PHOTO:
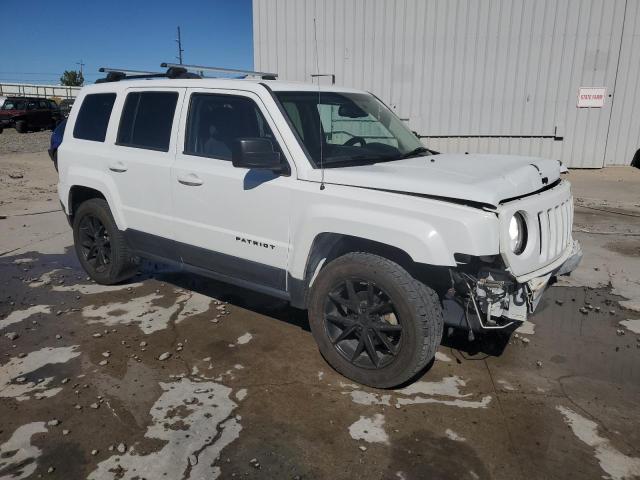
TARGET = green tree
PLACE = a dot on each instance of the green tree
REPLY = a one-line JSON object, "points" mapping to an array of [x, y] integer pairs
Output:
{"points": [[71, 78]]}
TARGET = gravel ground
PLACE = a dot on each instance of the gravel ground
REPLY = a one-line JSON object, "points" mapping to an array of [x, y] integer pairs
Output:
{"points": [[32, 142]]}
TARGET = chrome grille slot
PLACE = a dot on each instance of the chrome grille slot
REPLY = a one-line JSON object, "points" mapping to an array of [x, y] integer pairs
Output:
{"points": [[555, 230]]}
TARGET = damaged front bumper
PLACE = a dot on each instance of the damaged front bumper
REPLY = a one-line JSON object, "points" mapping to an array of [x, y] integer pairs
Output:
{"points": [[494, 300]]}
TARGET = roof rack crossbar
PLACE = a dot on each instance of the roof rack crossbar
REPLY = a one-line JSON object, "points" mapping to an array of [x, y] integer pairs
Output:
{"points": [[126, 71], [117, 74], [203, 68]]}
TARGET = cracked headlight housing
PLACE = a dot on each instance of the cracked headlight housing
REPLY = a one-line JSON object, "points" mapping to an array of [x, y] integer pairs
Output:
{"points": [[517, 233]]}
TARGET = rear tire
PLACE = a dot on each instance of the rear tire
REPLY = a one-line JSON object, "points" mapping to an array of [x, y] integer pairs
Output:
{"points": [[21, 126], [100, 246], [382, 298]]}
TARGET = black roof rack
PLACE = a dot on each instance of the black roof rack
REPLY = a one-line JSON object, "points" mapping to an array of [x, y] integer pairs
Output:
{"points": [[117, 74], [176, 70], [203, 68]]}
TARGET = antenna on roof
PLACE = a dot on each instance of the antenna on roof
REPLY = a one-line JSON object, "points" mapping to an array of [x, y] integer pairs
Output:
{"points": [[180, 49], [202, 68], [318, 75]]}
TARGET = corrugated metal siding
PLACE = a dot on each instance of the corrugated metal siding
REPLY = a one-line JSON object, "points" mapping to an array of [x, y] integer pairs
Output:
{"points": [[624, 131], [461, 68]]}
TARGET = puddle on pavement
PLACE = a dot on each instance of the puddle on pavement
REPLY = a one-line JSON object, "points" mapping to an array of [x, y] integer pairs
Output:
{"points": [[18, 316], [628, 248], [18, 457], [195, 420], [421, 454], [586, 344], [615, 464], [27, 377]]}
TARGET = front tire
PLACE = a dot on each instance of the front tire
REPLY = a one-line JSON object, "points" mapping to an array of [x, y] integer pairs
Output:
{"points": [[100, 246], [373, 322]]}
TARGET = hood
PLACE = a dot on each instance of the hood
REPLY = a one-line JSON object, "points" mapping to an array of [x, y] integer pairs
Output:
{"points": [[487, 179]]}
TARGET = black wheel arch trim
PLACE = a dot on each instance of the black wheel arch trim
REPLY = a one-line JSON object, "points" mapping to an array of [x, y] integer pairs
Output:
{"points": [[328, 246]]}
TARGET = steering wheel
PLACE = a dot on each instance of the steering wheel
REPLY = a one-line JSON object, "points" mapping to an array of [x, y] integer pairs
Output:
{"points": [[353, 140]]}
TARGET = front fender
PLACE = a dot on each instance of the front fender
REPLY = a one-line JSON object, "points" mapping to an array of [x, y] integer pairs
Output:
{"points": [[429, 231]]}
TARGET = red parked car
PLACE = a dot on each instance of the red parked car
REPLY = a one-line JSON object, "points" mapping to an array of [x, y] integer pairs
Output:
{"points": [[27, 113]]}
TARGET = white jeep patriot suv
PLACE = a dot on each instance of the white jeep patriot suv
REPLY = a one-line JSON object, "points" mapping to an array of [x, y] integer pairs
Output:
{"points": [[320, 196]]}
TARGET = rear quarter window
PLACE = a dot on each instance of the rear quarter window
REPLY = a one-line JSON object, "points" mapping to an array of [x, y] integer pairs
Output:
{"points": [[93, 117], [147, 119]]}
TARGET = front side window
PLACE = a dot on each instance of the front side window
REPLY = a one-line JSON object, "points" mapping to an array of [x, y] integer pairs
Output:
{"points": [[344, 129], [216, 121], [93, 117], [147, 119]]}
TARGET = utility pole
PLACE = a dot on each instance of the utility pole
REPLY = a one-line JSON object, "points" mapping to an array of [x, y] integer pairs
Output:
{"points": [[180, 50], [81, 63]]}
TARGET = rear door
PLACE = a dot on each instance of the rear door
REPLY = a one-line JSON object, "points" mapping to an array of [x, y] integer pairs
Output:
{"points": [[140, 161]]}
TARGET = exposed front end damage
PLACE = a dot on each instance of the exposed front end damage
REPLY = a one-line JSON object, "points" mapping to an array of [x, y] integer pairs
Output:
{"points": [[485, 296]]}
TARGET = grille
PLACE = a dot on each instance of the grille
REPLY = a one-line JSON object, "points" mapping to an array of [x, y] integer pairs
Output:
{"points": [[555, 229]]}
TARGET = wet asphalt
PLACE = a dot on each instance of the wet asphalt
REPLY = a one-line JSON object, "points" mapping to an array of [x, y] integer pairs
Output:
{"points": [[244, 392]]}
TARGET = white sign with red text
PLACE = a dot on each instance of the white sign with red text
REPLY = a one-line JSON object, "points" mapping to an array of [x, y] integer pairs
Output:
{"points": [[591, 97]]}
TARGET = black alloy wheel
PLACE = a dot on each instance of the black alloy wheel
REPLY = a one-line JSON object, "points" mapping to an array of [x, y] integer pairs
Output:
{"points": [[95, 243], [362, 324], [373, 322]]}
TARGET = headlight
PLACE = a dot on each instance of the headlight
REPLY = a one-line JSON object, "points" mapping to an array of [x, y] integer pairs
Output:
{"points": [[517, 233]]}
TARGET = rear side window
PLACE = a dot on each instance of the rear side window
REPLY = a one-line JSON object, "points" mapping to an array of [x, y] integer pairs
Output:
{"points": [[93, 117], [146, 120]]}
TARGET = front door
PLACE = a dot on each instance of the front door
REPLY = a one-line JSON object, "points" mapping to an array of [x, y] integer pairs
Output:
{"points": [[232, 221]]}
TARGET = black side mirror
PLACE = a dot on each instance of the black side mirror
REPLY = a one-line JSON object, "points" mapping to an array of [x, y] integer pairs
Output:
{"points": [[256, 153]]}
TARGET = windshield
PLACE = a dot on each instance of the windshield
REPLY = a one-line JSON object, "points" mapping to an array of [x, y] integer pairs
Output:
{"points": [[13, 105], [348, 128]]}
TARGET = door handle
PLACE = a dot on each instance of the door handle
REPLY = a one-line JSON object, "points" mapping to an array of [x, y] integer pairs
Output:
{"points": [[118, 167], [191, 180]]}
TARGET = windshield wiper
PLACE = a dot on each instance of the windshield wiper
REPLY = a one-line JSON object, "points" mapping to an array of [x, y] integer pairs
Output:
{"points": [[416, 152], [356, 160]]}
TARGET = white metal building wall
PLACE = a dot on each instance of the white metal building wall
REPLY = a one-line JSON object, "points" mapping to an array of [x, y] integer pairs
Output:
{"points": [[624, 130], [472, 75]]}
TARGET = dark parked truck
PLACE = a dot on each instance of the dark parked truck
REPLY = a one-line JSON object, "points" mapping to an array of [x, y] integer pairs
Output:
{"points": [[26, 114]]}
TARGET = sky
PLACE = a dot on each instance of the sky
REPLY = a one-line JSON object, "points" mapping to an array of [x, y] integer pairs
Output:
{"points": [[39, 39]]}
